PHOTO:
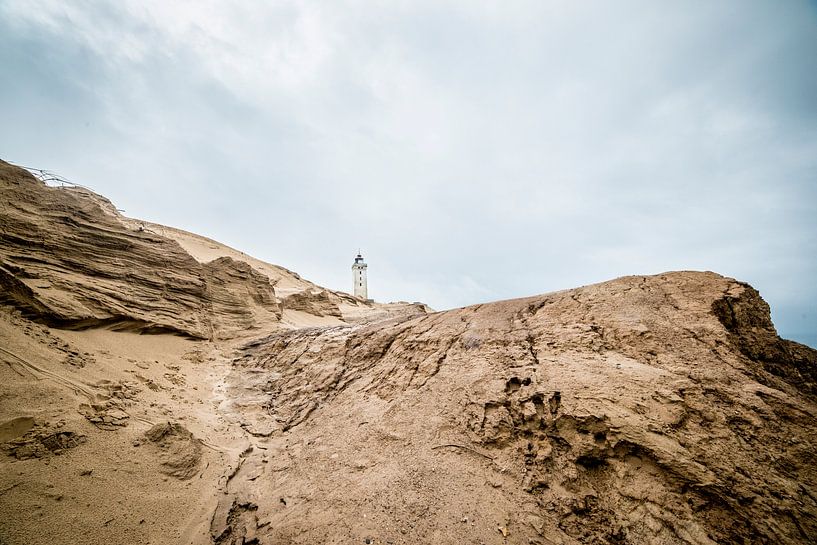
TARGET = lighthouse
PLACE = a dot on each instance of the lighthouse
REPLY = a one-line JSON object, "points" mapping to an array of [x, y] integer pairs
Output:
{"points": [[359, 277]]}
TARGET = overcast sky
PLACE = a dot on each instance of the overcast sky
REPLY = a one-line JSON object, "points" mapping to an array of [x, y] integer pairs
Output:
{"points": [[473, 150]]}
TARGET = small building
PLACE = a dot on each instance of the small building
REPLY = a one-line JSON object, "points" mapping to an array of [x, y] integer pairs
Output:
{"points": [[359, 278]]}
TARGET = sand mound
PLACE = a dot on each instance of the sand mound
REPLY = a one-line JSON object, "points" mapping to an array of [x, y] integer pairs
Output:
{"points": [[317, 303], [640, 410], [179, 451], [68, 260]]}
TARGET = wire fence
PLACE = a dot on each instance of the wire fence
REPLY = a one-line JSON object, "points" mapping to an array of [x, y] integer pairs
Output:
{"points": [[51, 178]]}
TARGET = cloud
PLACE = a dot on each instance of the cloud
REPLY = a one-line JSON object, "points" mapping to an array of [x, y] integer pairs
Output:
{"points": [[473, 150]]}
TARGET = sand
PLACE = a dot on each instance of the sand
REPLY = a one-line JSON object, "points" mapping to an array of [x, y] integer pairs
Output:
{"points": [[165, 388]]}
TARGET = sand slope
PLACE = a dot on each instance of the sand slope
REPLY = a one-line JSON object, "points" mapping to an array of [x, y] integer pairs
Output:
{"points": [[66, 261], [633, 411]]}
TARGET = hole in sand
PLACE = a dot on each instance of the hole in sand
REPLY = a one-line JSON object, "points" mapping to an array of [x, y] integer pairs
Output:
{"points": [[15, 427]]}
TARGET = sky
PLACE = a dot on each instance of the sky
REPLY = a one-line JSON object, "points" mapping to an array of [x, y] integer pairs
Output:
{"points": [[473, 151]]}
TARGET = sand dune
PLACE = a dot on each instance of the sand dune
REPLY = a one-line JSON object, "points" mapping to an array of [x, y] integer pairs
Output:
{"points": [[159, 387]]}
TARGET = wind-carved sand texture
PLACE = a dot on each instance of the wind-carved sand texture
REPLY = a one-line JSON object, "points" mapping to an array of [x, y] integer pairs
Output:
{"points": [[157, 387]]}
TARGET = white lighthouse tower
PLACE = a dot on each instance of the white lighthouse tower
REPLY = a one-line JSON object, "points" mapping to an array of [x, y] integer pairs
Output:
{"points": [[359, 277]]}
